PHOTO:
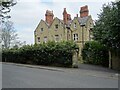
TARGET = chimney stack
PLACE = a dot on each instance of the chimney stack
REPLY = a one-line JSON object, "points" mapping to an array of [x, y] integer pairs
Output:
{"points": [[84, 11], [49, 17], [76, 15], [66, 16]]}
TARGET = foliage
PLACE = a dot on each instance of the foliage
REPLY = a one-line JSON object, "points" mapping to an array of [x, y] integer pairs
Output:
{"points": [[5, 8], [106, 29], [95, 53], [51, 53]]}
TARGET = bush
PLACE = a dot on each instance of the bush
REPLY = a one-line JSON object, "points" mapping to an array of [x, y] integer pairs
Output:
{"points": [[95, 53], [51, 53]]}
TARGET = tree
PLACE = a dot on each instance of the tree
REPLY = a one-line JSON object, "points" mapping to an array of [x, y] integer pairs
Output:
{"points": [[106, 29], [9, 35], [5, 8]]}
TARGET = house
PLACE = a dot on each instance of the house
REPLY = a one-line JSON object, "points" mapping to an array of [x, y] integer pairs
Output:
{"points": [[77, 29]]}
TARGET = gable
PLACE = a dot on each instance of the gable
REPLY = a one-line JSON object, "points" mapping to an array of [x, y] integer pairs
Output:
{"points": [[42, 24], [56, 21], [73, 23]]}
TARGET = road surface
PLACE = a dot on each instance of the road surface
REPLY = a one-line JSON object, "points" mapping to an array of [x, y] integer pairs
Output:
{"points": [[24, 77]]}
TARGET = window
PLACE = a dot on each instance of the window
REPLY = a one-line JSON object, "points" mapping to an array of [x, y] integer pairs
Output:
{"points": [[56, 26], [41, 29], [56, 38], [45, 39], [75, 37], [75, 25], [38, 39]]}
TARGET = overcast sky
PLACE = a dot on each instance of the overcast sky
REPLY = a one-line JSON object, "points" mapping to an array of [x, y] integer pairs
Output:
{"points": [[26, 14]]}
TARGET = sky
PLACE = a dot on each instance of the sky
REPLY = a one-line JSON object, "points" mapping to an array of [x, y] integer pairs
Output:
{"points": [[26, 14]]}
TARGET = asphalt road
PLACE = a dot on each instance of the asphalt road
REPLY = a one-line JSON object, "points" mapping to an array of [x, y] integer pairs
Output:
{"points": [[23, 77]]}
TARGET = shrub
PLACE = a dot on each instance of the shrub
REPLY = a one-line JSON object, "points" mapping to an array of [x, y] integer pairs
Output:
{"points": [[95, 53], [51, 53]]}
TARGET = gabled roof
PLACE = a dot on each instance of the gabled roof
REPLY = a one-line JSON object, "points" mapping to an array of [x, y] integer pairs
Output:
{"points": [[69, 23], [58, 19], [40, 22], [82, 21]]}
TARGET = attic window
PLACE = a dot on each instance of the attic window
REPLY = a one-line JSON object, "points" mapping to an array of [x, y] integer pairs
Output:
{"points": [[41, 29], [56, 26], [75, 25]]}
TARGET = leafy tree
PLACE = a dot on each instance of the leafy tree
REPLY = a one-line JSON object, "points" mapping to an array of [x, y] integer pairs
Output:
{"points": [[106, 29]]}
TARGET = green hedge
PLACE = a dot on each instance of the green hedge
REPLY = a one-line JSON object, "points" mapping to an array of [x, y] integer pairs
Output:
{"points": [[51, 53], [95, 53]]}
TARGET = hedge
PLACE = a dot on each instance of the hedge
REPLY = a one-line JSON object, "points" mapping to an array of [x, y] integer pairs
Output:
{"points": [[95, 53], [51, 53]]}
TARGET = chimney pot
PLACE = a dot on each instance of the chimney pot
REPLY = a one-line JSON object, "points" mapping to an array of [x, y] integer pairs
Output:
{"points": [[76, 15], [49, 16]]}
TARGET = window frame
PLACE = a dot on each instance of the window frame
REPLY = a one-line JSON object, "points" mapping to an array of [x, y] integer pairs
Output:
{"points": [[75, 25], [75, 37], [56, 26], [38, 39], [41, 30]]}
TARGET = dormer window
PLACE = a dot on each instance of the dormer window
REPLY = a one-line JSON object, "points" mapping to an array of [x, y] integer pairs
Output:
{"points": [[75, 25], [41, 30], [56, 26]]}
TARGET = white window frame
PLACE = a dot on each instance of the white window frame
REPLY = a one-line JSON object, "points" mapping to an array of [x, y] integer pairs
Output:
{"points": [[45, 39], [75, 37], [56, 38]]}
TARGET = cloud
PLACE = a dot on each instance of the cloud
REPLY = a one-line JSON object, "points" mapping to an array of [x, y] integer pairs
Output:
{"points": [[26, 14], [26, 34]]}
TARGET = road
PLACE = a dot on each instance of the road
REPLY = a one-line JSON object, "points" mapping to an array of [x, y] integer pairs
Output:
{"points": [[23, 77]]}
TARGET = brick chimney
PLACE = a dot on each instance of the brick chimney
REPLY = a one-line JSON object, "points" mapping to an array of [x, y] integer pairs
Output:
{"points": [[84, 11], [76, 15], [49, 17], [66, 17]]}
